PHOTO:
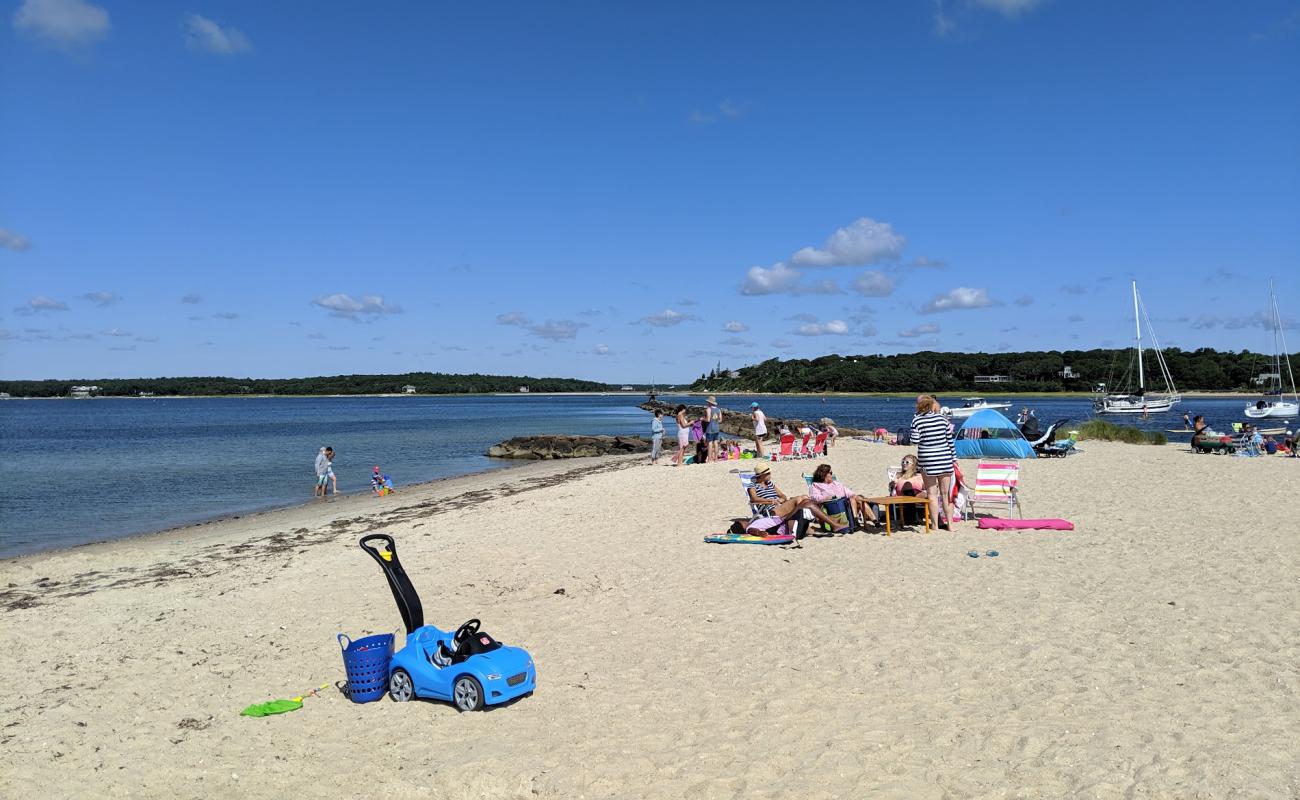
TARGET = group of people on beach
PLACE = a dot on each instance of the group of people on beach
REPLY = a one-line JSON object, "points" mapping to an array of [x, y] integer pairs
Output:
{"points": [[705, 433], [929, 474]]}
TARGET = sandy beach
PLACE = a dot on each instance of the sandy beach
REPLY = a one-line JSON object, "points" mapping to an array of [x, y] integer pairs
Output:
{"points": [[1150, 653]]}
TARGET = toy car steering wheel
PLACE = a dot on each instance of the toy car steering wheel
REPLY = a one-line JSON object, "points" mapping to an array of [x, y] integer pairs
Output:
{"points": [[463, 634]]}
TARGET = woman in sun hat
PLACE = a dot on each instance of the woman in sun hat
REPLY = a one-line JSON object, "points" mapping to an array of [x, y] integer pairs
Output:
{"points": [[712, 426], [772, 502], [760, 428]]}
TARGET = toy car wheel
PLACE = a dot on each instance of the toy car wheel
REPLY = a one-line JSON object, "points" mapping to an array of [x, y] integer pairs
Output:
{"points": [[467, 694], [400, 687]]}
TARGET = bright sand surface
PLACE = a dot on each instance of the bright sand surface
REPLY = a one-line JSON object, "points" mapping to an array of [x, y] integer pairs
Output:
{"points": [[1150, 653]]}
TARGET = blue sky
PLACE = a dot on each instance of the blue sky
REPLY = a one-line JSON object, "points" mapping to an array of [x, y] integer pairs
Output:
{"points": [[637, 192]]}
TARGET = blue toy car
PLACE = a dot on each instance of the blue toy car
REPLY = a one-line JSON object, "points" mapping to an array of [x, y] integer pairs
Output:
{"points": [[468, 667]]}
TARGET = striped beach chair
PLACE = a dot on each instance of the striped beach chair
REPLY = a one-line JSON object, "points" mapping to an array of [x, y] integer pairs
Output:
{"points": [[996, 485]]}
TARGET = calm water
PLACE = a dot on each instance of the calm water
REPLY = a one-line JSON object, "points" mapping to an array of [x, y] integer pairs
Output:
{"points": [[82, 471]]}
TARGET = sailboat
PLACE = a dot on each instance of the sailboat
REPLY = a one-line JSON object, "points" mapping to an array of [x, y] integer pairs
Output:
{"points": [[1274, 404], [1139, 402]]}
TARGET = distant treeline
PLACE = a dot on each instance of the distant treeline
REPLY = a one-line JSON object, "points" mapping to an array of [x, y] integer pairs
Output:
{"points": [[1197, 370], [424, 383]]}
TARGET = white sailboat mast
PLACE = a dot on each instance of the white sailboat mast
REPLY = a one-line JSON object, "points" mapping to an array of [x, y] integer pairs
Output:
{"points": [[1137, 324]]}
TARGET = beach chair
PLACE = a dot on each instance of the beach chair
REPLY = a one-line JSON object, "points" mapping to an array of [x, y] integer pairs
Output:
{"points": [[819, 444], [787, 448], [746, 481], [996, 485], [803, 451]]}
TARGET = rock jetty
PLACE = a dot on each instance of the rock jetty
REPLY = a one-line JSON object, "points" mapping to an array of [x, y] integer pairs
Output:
{"points": [[546, 447], [739, 424]]}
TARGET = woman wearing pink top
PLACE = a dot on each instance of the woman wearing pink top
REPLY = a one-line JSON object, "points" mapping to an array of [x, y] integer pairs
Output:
{"points": [[824, 488]]}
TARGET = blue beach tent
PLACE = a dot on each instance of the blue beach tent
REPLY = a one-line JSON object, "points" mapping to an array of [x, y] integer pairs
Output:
{"points": [[988, 434]]}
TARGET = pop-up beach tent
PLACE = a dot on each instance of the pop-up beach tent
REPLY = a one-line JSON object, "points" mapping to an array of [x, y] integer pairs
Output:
{"points": [[988, 434]]}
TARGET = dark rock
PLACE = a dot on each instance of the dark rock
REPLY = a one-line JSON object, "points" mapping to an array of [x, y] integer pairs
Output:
{"points": [[545, 447], [740, 424]]}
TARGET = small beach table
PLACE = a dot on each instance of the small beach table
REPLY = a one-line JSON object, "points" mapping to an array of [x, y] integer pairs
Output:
{"points": [[895, 501]]}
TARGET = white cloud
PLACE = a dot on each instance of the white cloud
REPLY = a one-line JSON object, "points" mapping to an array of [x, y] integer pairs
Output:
{"points": [[192, 299], [778, 278], [802, 316], [14, 241], [782, 344], [736, 341], [959, 298], [370, 306], [1024, 300], [921, 262], [39, 304], [1259, 319], [205, 35], [560, 330], [231, 315], [66, 23], [865, 241], [735, 327], [873, 283], [115, 332], [726, 110], [666, 318], [1008, 8], [601, 350], [101, 298], [918, 331], [835, 327]]}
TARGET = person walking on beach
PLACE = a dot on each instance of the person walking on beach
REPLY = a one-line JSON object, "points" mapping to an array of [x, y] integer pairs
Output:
{"points": [[656, 436], [937, 456], [713, 426], [322, 472], [329, 470], [760, 428], [683, 435]]}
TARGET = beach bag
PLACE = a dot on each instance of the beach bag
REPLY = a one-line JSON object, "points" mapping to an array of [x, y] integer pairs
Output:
{"points": [[840, 512]]}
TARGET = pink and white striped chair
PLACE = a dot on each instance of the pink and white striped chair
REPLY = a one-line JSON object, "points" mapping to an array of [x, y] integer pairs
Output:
{"points": [[996, 485]]}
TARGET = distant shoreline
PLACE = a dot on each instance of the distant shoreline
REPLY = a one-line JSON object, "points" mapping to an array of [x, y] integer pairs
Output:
{"points": [[635, 394]]}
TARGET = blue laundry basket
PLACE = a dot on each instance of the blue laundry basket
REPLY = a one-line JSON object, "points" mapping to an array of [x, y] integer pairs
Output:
{"points": [[366, 661]]}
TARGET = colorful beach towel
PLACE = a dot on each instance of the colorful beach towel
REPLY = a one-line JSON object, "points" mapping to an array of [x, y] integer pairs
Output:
{"points": [[995, 524], [747, 538]]}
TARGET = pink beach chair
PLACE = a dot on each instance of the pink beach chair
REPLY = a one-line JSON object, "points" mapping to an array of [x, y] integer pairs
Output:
{"points": [[996, 485], [819, 444], [787, 448]]}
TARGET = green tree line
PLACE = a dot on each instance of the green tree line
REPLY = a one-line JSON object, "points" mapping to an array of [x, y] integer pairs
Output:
{"points": [[424, 383], [1205, 369]]}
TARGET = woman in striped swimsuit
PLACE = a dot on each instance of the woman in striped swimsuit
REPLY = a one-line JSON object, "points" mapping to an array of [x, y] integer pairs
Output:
{"points": [[773, 502], [932, 435]]}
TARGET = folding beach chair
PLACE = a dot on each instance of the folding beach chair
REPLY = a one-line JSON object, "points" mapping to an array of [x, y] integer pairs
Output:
{"points": [[996, 485], [819, 444], [787, 448], [803, 451]]}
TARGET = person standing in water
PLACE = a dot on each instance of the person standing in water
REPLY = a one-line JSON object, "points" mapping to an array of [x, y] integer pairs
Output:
{"points": [[322, 472], [329, 470], [760, 428]]}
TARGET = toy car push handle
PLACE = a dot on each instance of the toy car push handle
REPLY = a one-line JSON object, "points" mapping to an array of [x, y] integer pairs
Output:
{"points": [[408, 601]]}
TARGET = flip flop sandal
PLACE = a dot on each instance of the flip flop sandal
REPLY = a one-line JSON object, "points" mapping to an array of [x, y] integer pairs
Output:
{"points": [[973, 553]]}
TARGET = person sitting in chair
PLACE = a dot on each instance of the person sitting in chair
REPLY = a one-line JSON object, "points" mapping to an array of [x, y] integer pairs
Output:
{"points": [[908, 481], [825, 488], [772, 501]]}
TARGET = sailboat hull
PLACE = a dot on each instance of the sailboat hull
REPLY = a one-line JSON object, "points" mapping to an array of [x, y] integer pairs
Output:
{"points": [[1277, 409], [1128, 405]]}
